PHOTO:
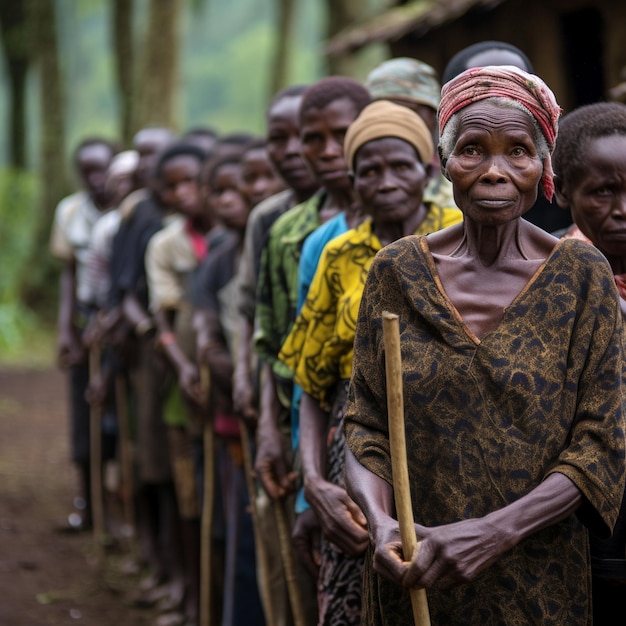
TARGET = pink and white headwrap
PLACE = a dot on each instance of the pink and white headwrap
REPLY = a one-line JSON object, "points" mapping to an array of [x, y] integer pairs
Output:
{"points": [[505, 81]]}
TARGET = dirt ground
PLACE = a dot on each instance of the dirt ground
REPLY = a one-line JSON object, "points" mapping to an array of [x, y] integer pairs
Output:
{"points": [[47, 577]]}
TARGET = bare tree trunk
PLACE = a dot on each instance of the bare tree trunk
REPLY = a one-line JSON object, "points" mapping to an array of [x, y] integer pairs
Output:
{"points": [[280, 66], [15, 37], [52, 106], [159, 78], [52, 170], [122, 16], [342, 13]]}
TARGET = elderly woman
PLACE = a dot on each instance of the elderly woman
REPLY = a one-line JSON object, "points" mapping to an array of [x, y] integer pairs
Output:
{"points": [[389, 150], [512, 373], [590, 179]]}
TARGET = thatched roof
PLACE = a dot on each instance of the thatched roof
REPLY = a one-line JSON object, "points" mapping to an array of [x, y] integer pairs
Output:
{"points": [[418, 17]]}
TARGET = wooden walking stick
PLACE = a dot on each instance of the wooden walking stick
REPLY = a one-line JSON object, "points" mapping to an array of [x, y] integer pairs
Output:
{"points": [[126, 462], [208, 495], [286, 552], [95, 459], [261, 552], [399, 468]]}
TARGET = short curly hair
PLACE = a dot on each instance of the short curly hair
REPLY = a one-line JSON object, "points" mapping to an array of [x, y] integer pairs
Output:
{"points": [[577, 129], [326, 90]]}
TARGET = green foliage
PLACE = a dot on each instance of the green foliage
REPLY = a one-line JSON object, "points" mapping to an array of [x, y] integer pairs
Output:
{"points": [[18, 213], [85, 48], [225, 55], [226, 60], [226, 51]]}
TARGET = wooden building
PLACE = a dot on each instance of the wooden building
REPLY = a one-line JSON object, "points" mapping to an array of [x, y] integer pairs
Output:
{"points": [[577, 46]]}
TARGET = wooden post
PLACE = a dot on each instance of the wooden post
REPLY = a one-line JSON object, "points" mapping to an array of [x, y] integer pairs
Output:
{"points": [[261, 552], [95, 459], [400, 472], [286, 551], [208, 495], [126, 462]]}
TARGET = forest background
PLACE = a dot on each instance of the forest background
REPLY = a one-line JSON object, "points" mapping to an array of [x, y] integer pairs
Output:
{"points": [[76, 68]]}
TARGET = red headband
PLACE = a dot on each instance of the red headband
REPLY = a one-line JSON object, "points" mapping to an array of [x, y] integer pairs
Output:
{"points": [[504, 81]]}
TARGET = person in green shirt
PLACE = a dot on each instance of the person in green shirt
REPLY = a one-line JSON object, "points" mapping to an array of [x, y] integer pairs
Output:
{"points": [[328, 108], [389, 150]]}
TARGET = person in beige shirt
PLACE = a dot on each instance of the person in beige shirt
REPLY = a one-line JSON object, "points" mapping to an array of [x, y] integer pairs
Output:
{"points": [[74, 219]]}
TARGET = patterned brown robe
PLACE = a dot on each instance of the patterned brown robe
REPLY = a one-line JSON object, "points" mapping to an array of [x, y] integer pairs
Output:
{"points": [[488, 420]]}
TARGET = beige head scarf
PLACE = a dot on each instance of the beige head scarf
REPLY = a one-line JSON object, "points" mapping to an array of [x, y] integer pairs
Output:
{"points": [[385, 119]]}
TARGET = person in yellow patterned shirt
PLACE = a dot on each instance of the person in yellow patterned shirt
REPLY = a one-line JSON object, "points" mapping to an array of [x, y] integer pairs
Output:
{"points": [[389, 150]]}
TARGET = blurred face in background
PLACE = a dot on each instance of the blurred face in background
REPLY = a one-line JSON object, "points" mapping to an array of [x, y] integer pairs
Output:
{"points": [[93, 161], [597, 197], [284, 147], [258, 178], [226, 203], [148, 143], [322, 133], [121, 176], [178, 185], [119, 185]]}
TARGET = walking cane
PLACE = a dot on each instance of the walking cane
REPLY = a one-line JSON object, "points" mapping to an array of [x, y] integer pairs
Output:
{"points": [[95, 454], [261, 552], [126, 461], [399, 468], [286, 552], [207, 504]]}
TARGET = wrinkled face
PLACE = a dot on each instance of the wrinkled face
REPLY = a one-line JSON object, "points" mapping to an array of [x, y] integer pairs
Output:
{"points": [[93, 161], [597, 197], [494, 166], [389, 179], [179, 187], [284, 147], [322, 133], [259, 179], [226, 203]]}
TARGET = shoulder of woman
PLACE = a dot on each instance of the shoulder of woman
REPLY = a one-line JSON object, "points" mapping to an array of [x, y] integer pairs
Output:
{"points": [[411, 244], [581, 249], [400, 257], [584, 259]]}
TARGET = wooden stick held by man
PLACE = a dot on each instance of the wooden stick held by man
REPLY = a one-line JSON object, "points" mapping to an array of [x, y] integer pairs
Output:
{"points": [[207, 506], [95, 443]]}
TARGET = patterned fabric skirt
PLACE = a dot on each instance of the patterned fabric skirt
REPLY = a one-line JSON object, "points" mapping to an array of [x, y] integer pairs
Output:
{"points": [[339, 582]]}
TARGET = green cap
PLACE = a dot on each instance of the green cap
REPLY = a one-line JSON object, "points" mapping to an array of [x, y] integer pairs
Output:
{"points": [[404, 77]]}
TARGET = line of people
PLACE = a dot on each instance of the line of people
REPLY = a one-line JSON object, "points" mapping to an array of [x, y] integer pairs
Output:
{"points": [[226, 283]]}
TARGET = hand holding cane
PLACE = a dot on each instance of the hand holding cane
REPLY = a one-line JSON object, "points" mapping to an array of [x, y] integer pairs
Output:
{"points": [[400, 473]]}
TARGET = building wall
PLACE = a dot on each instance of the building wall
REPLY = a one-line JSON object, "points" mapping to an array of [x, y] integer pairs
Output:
{"points": [[538, 27]]}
